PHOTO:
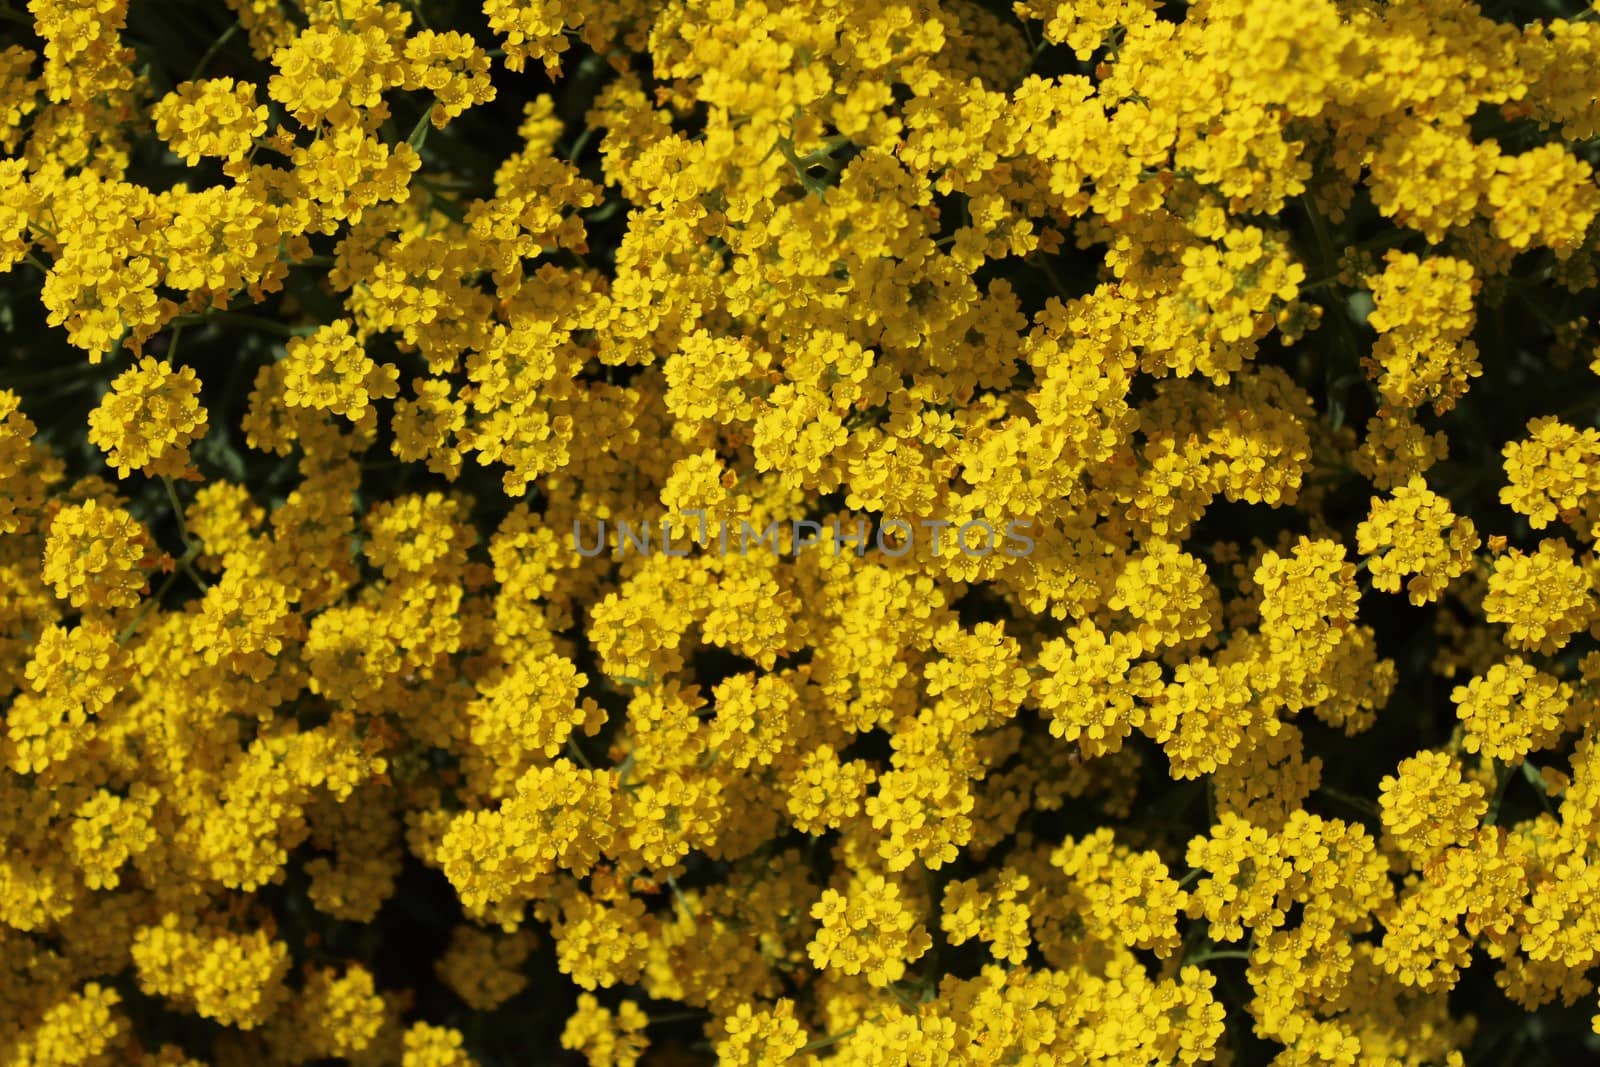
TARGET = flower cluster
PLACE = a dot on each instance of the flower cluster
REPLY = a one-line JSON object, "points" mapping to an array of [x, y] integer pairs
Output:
{"points": [[1270, 326]]}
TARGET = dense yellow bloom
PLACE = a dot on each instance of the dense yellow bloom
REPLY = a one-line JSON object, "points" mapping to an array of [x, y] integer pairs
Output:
{"points": [[220, 243], [94, 557], [1423, 315], [1431, 176], [1001, 427], [1082, 27], [338, 1014], [1428, 806], [245, 622], [867, 930], [214, 117], [1546, 196], [84, 1027], [148, 419], [1167, 595], [532, 31], [99, 297], [1124, 896], [1512, 709], [328, 371], [996, 917], [450, 66], [1397, 449], [427, 1045], [1247, 879], [1543, 598], [1092, 687], [83, 667], [559, 815], [484, 968], [21, 488], [599, 945], [1554, 474], [827, 792], [107, 830], [764, 1038], [236, 979], [1414, 536], [604, 1036], [329, 73]]}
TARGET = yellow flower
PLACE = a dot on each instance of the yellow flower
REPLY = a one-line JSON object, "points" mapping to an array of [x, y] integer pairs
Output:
{"points": [[94, 557], [1423, 315], [1414, 533], [1511, 710], [1428, 806], [868, 930], [211, 117], [485, 969], [148, 420], [426, 1045], [1544, 598], [236, 979], [612, 1039], [329, 371], [761, 1038]]}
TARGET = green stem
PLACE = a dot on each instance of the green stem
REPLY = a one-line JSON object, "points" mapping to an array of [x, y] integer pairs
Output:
{"points": [[177, 511], [195, 576], [1536, 780], [677, 893], [1055, 280], [905, 1001], [73, 374], [1387, 239], [580, 143], [1334, 370], [1324, 239], [1027, 29], [1361, 804], [831, 1039], [1505, 772], [829, 146], [211, 53], [1028, 67], [1320, 283], [419, 132], [150, 604], [813, 186], [191, 547]]}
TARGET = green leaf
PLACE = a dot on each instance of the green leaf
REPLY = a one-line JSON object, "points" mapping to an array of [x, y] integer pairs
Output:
{"points": [[419, 133]]}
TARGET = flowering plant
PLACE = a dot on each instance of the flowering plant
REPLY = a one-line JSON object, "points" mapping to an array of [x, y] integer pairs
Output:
{"points": [[1271, 325]]}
